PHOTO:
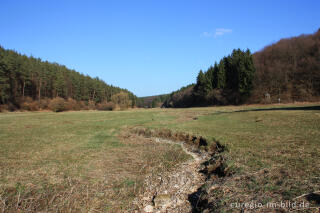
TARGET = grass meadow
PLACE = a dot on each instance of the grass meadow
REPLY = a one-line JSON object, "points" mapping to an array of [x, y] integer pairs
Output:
{"points": [[87, 161]]}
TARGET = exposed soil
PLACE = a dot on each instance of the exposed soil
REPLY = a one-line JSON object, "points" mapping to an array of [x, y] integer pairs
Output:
{"points": [[180, 189], [169, 192]]}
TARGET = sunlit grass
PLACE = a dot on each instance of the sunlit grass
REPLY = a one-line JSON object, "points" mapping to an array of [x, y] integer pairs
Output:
{"points": [[45, 153]]}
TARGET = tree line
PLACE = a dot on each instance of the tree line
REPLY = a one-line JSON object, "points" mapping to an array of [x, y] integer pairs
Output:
{"points": [[152, 101], [228, 82], [24, 78], [286, 71]]}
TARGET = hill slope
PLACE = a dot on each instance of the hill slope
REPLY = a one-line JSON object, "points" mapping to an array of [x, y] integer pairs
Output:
{"points": [[288, 70], [22, 76], [291, 68]]}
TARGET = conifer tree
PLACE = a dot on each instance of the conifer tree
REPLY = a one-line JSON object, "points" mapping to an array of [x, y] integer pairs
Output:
{"points": [[221, 75], [215, 75], [210, 76], [22, 76], [203, 86]]}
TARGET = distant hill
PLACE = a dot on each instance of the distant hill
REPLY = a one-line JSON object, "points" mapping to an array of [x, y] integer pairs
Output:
{"points": [[152, 101], [286, 71]]}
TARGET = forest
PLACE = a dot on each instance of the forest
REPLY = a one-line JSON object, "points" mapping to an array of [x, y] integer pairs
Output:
{"points": [[228, 82], [286, 71], [152, 101], [289, 70], [29, 83]]}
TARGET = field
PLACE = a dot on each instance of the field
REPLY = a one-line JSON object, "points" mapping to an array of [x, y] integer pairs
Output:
{"points": [[87, 161]]}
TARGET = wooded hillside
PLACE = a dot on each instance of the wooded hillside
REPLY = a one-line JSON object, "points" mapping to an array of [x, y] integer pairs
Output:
{"points": [[286, 71], [228, 82], [23, 78], [289, 69]]}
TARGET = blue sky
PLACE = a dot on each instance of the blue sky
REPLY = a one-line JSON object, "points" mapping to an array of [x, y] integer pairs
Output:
{"points": [[149, 47]]}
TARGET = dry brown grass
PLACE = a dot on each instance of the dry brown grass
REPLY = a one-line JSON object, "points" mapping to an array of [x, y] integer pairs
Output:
{"points": [[75, 161], [116, 179]]}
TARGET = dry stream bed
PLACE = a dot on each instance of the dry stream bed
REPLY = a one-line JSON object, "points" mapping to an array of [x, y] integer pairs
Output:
{"points": [[179, 190]]}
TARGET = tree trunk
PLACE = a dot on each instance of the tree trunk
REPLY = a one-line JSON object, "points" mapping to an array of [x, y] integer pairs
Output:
{"points": [[24, 85], [94, 92], [39, 90]]}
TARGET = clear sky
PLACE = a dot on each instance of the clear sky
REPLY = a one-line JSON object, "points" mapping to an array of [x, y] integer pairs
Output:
{"points": [[149, 47]]}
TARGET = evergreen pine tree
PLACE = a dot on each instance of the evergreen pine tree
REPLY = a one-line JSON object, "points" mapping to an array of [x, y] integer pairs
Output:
{"points": [[215, 75], [221, 75], [203, 86], [210, 76]]}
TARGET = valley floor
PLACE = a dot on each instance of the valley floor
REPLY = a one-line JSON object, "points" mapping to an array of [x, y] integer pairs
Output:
{"points": [[87, 161]]}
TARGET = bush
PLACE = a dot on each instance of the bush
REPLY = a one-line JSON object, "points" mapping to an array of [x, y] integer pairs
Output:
{"points": [[57, 105], [4, 107], [26, 99], [91, 105], [106, 106], [72, 104], [217, 97], [44, 103], [122, 100], [82, 105], [29, 104], [12, 107]]}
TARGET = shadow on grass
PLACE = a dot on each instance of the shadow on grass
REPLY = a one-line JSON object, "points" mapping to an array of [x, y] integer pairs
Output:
{"points": [[306, 108], [281, 108]]}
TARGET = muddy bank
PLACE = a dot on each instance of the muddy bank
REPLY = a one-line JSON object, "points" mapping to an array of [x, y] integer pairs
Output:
{"points": [[185, 189], [196, 142]]}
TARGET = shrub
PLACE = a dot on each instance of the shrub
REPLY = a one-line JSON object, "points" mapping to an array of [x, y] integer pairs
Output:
{"points": [[217, 97], [82, 105], [72, 104], [91, 105], [122, 99], [12, 107], [29, 104], [26, 99], [4, 107], [44, 103], [57, 105], [109, 106]]}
